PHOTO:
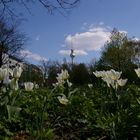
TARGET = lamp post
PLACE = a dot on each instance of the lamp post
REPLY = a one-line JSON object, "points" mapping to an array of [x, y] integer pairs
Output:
{"points": [[72, 55]]}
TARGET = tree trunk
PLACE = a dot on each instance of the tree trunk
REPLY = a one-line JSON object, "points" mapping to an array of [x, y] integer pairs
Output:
{"points": [[1, 53], [1, 61]]}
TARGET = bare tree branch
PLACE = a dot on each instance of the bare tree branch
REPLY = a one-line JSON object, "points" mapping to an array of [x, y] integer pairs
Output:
{"points": [[61, 6], [11, 40]]}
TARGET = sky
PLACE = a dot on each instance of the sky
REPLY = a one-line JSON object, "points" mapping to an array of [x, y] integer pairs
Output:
{"points": [[85, 29]]}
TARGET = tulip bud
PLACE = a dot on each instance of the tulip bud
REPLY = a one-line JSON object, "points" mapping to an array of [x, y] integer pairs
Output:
{"points": [[3, 73], [63, 100], [36, 86], [29, 86], [90, 85], [122, 82], [17, 72], [14, 84], [138, 72]]}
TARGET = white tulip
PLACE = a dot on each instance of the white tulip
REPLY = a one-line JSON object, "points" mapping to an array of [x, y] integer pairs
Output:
{"points": [[114, 75], [69, 83], [99, 73], [109, 81], [64, 75], [17, 72], [122, 82], [6, 80], [3, 73], [14, 84], [90, 85], [111, 77], [63, 100], [62, 78], [29, 86], [36, 86], [138, 72]]}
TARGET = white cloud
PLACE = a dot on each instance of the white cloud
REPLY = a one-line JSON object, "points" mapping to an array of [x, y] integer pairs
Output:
{"points": [[30, 55], [91, 40], [64, 52], [77, 52], [122, 31]]}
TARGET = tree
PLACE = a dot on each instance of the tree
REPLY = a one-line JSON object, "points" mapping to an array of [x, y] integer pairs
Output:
{"points": [[136, 57], [31, 73], [49, 70], [44, 67], [6, 6], [53, 69], [11, 41], [118, 54], [79, 74]]}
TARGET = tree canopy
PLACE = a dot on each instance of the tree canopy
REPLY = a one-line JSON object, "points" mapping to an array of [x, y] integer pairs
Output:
{"points": [[118, 52]]}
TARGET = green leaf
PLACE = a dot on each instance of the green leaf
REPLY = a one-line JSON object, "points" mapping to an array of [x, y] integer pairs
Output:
{"points": [[138, 101], [13, 111]]}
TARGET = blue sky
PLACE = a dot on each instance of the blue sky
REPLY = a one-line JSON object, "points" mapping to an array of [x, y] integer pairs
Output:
{"points": [[85, 29]]}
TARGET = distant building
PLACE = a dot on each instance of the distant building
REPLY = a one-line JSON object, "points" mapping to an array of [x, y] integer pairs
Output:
{"points": [[12, 61], [30, 72]]}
